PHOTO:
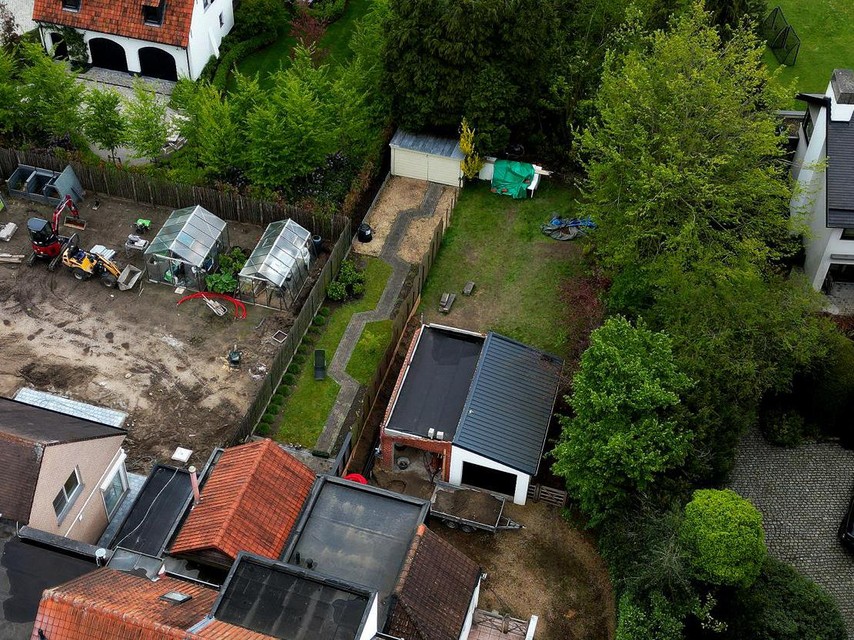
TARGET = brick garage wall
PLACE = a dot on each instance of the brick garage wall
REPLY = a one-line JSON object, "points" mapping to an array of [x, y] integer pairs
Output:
{"points": [[387, 442]]}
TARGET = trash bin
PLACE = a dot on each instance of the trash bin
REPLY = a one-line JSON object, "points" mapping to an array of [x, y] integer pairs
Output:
{"points": [[317, 241], [364, 233]]}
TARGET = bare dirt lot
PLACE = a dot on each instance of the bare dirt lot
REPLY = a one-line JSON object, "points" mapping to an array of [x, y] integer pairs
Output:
{"points": [[135, 351]]}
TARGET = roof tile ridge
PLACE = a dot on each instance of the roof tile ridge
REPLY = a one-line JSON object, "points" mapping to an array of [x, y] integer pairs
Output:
{"points": [[410, 558], [263, 448]]}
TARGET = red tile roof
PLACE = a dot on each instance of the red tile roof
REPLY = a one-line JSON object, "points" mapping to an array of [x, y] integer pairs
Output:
{"points": [[121, 17], [108, 604], [250, 503], [112, 605], [434, 591]]}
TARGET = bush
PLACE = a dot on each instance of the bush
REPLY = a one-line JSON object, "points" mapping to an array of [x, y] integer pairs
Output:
{"points": [[270, 415], [262, 429], [327, 11], [828, 396], [299, 359], [293, 369], [275, 403], [336, 291], [784, 605], [302, 350], [357, 289], [285, 391], [254, 17], [784, 428], [221, 282], [319, 321], [313, 332], [723, 537], [289, 379], [324, 311], [237, 53], [655, 619]]}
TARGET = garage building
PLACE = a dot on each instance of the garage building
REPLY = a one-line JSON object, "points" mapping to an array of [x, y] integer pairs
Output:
{"points": [[474, 409], [426, 157]]}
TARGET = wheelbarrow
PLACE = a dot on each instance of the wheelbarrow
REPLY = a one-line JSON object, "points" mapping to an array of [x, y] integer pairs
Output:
{"points": [[129, 276]]}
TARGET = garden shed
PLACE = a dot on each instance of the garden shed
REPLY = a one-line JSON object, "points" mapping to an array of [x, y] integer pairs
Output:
{"points": [[45, 186], [187, 248], [278, 268], [426, 157]]}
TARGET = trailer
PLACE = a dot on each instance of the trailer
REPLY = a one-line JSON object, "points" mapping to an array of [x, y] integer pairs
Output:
{"points": [[469, 509]]}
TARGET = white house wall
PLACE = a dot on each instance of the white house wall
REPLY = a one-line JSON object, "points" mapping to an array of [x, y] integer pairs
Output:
{"points": [[23, 12], [470, 614], [206, 34], [460, 455], [370, 629]]}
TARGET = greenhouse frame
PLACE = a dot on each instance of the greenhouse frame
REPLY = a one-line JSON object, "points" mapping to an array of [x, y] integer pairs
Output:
{"points": [[187, 248], [276, 272]]}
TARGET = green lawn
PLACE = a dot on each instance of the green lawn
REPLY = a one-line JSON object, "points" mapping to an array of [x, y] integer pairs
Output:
{"points": [[521, 276], [826, 30], [307, 408], [370, 349], [336, 40]]}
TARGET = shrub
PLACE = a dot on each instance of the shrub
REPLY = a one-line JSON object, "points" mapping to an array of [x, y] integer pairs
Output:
{"points": [[221, 282], [275, 403], [327, 11], [336, 291], [262, 429], [269, 415], [302, 349], [357, 289], [829, 395], [784, 605], [785, 428], [293, 369], [285, 391], [289, 379], [723, 538], [324, 311], [313, 331], [655, 619], [319, 321], [299, 359], [237, 53]]}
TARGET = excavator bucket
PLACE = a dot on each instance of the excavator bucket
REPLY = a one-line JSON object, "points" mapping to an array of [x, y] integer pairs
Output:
{"points": [[129, 277], [75, 223]]}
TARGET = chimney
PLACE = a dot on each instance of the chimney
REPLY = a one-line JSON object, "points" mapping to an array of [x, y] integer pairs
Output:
{"points": [[842, 82], [194, 481]]}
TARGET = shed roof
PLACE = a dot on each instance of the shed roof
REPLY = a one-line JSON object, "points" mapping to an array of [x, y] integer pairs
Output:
{"points": [[284, 243], [840, 173], [509, 407], [424, 143], [436, 586], [122, 18], [188, 234], [250, 502]]}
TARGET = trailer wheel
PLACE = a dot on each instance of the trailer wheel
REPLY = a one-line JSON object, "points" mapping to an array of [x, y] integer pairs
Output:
{"points": [[450, 524], [466, 528], [31, 260]]}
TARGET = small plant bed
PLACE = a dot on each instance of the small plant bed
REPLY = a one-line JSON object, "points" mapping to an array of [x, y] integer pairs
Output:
{"points": [[309, 402], [372, 345], [522, 277], [827, 42]]}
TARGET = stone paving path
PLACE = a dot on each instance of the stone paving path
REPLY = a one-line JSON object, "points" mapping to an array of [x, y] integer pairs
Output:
{"points": [[337, 369], [803, 494]]}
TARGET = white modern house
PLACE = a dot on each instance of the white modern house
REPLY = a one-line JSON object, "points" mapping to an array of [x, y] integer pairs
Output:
{"points": [[154, 38], [22, 10], [824, 170]]}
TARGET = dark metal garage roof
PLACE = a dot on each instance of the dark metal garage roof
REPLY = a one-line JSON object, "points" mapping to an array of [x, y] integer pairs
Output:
{"points": [[423, 143], [506, 416], [840, 174]]}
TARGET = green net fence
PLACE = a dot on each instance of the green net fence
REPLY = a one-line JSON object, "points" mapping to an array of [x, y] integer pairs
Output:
{"points": [[781, 37]]}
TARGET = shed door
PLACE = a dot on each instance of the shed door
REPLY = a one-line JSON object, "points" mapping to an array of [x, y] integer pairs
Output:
{"points": [[443, 170], [476, 475], [409, 164]]}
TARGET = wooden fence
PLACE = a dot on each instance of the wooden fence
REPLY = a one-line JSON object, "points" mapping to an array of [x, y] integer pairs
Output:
{"points": [[399, 322], [295, 335], [120, 183], [540, 493]]}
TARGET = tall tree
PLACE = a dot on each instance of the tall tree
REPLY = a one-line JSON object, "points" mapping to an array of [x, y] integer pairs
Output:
{"points": [[147, 126], [52, 98], [624, 432], [683, 160], [104, 123]]}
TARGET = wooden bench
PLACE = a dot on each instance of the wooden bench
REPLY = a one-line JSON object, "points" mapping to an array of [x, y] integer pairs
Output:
{"points": [[319, 364]]}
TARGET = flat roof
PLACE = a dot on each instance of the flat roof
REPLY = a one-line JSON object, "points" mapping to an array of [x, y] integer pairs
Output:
{"points": [[356, 533], [437, 382], [154, 516], [291, 603], [45, 426], [53, 402], [26, 570], [425, 143]]}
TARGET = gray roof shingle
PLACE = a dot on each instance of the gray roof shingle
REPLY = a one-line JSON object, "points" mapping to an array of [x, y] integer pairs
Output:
{"points": [[506, 416], [445, 147], [840, 174]]}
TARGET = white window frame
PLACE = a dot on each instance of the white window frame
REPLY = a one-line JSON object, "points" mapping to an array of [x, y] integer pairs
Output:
{"points": [[117, 470], [69, 499]]}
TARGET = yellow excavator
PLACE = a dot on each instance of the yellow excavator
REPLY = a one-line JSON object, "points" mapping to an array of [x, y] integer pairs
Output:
{"points": [[86, 264]]}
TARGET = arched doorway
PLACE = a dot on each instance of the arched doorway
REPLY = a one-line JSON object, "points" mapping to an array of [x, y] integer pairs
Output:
{"points": [[108, 54], [157, 63], [60, 49]]}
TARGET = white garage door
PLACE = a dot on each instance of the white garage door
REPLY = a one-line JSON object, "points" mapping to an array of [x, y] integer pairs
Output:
{"points": [[409, 164]]}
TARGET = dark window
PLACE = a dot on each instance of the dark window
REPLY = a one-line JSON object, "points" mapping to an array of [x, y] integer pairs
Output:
{"points": [[482, 477], [154, 15], [848, 234], [71, 5], [808, 125], [222, 23], [206, 3], [67, 494]]}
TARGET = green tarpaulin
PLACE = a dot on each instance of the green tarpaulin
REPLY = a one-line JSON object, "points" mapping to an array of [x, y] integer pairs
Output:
{"points": [[512, 178]]}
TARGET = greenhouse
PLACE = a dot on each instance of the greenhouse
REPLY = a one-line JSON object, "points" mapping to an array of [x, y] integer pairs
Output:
{"points": [[187, 248], [278, 268]]}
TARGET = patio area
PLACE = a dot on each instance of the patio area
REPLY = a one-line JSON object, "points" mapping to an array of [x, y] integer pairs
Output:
{"points": [[840, 299], [487, 625]]}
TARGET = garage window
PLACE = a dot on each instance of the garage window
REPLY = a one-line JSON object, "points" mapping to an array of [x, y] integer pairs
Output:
{"points": [[494, 480]]}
